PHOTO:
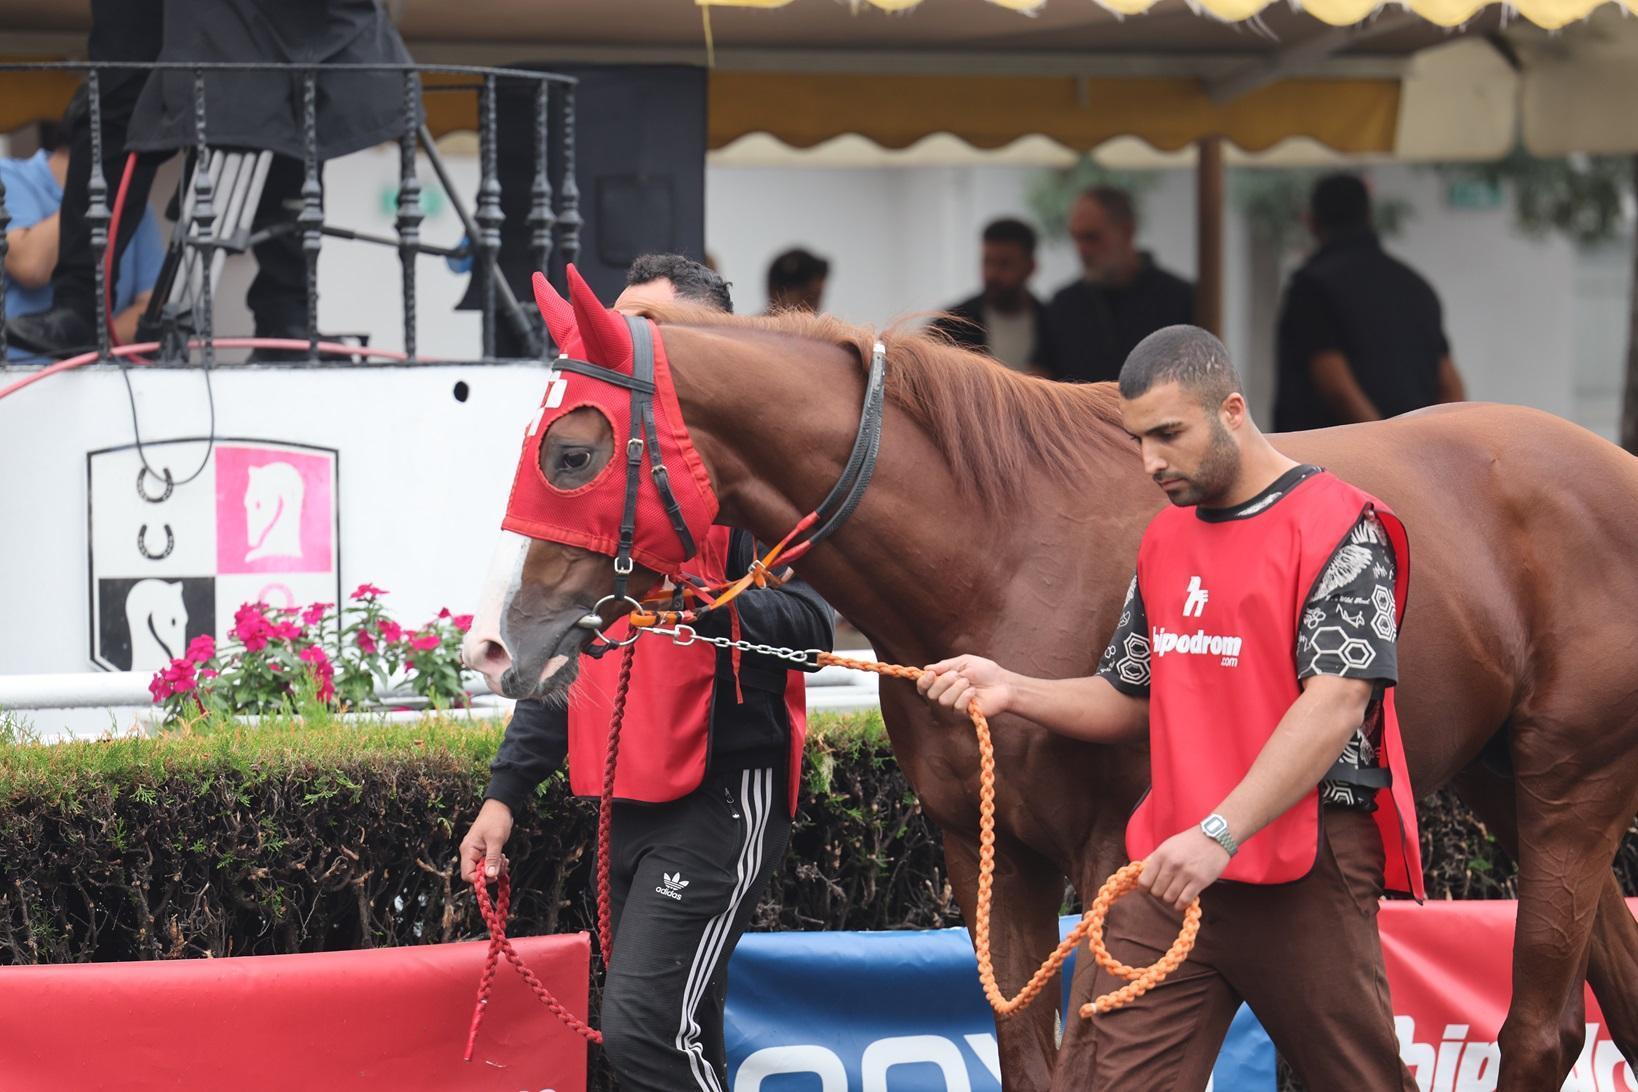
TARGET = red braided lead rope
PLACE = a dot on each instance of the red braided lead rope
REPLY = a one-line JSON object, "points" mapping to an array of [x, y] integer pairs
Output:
{"points": [[605, 807], [494, 916]]}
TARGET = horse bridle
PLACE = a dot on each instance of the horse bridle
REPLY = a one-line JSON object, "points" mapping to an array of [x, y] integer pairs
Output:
{"points": [[812, 529]]}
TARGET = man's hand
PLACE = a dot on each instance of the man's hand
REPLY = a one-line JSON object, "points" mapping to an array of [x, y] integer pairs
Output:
{"points": [[481, 848], [1181, 867], [952, 684]]}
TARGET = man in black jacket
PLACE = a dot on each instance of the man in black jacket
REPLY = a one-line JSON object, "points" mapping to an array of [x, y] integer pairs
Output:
{"points": [[1361, 334], [1121, 297], [712, 851], [1005, 320]]}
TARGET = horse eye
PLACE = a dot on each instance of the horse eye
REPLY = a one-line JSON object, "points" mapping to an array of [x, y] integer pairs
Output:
{"points": [[575, 460]]}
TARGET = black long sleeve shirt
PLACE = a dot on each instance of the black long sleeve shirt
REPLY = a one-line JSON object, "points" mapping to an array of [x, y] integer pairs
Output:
{"points": [[743, 736]]}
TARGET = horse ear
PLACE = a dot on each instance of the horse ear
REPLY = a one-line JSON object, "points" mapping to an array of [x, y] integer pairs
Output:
{"points": [[604, 333], [555, 310]]}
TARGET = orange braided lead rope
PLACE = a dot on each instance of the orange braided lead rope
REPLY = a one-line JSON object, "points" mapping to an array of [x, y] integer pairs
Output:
{"points": [[1139, 979]]}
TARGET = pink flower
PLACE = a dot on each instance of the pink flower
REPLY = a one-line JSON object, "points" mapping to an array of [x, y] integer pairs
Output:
{"points": [[391, 632], [368, 591], [314, 614], [208, 673], [201, 648], [443, 613], [463, 622], [178, 678], [313, 654], [159, 687], [366, 643], [250, 626], [287, 631], [424, 642]]}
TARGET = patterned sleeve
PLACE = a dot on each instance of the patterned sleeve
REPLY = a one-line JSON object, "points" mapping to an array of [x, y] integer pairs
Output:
{"points": [[1125, 662], [1348, 626]]}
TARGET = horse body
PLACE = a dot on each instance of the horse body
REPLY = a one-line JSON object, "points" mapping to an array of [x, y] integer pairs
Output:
{"points": [[1521, 617]]}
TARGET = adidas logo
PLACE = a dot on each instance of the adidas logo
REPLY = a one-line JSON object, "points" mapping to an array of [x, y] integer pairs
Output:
{"points": [[672, 885]]}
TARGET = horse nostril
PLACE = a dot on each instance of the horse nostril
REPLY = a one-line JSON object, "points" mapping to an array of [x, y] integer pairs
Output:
{"points": [[491, 658]]}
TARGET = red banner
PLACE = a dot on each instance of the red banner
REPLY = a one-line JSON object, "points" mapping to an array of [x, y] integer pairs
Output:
{"points": [[1450, 969], [390, 1019]]}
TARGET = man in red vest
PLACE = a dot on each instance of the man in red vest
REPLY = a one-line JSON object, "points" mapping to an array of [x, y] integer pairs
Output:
{"points": [[1256, 655], [709, 760]]}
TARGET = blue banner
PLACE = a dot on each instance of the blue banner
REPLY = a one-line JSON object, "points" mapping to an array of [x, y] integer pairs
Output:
{"points": [[892, 1012]]}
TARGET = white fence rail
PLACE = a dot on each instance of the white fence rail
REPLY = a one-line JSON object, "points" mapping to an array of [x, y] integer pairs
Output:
{"points": [[124, 696]]}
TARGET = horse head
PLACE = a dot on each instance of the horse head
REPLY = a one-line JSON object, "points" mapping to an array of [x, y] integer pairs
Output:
{"points": [[575, 507]]}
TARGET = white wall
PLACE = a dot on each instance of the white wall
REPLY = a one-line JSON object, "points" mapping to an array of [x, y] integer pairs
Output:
{"points": [[1531, 321]]}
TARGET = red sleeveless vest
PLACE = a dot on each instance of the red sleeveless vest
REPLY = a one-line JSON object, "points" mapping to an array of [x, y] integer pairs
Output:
{"points": [[665, 742], [1224, 603]]}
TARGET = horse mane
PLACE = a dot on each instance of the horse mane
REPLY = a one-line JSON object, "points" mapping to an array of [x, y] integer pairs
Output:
{"points": [[993, 426]]}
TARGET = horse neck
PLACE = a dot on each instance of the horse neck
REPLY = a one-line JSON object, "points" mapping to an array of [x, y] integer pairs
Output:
{"points": [[920, 567]]}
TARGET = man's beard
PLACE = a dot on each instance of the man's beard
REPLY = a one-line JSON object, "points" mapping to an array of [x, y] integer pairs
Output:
{"points": [[1215, 476]]}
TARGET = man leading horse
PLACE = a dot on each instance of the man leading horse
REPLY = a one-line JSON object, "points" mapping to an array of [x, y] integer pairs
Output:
{"points": [[1256, 655]]}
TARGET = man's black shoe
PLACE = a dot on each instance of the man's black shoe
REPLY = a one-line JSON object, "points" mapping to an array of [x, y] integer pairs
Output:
{"points": [[58, 331]]}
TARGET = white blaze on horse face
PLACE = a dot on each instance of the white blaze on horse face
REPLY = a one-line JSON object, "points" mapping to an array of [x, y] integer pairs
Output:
{"points": [[158, 621], [273, 500], [485, 639]]}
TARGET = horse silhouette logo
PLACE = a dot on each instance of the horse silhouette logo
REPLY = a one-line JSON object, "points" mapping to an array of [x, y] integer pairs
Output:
{"points": [[174, 554], [273, 500], [157, 619]]}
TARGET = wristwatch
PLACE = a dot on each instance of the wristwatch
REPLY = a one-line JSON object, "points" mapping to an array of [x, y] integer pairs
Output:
{"points": [[1215, 827]]}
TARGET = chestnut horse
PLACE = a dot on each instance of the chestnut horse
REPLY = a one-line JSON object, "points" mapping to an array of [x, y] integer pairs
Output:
{"points": [[1003, 519]]}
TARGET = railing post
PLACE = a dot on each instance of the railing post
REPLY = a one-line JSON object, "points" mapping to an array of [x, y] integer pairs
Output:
{"points": [[540, 202], [489, 214], [568, 216], [409, 203], [97, 214], [311, 218], [204, 222]]}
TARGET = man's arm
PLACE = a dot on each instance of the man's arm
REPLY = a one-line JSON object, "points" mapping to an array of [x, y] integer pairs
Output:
{"points": [[791, 615], [1451, 387], [1303, 747], [533, 748], [536, 740], [125, 323], [32, 252], [1334, 380], [1109, 707]]}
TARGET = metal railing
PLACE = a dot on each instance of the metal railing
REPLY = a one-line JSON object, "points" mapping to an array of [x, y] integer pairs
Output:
{"points": [[553, 218]]}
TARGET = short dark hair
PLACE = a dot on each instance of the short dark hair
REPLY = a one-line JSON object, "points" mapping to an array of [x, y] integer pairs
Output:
{"points": [[794, 268], [1186, 355], [1340, 202], [1116, 202], [693, 280], [1010, 230]]}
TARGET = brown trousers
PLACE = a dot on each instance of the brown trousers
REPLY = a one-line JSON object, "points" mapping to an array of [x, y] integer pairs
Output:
{"points": [[1306, 956]]}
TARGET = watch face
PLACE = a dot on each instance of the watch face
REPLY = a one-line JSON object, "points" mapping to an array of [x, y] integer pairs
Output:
{"points": [[1214, 826]]}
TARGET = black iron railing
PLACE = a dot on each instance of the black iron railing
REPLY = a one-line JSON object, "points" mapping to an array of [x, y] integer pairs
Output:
{"points": [[553, 219]]}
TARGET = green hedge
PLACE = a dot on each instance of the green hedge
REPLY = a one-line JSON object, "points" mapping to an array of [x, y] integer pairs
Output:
{"points": [[294, 837]]}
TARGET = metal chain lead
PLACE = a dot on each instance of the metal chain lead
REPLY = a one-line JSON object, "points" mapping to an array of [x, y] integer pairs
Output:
{"points": [[683, 636]]}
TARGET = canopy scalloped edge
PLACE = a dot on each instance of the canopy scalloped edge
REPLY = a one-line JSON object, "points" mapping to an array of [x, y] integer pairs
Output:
{"points": [[1550, 14]]}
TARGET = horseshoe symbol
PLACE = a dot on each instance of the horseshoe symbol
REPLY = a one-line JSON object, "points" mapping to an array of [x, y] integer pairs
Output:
{"points": [[170, 486], [142, 543]]}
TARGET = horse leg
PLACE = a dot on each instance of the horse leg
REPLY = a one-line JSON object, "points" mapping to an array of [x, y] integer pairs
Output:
{"points": [[1612, 966], [1027, 893], [1575, 800]]}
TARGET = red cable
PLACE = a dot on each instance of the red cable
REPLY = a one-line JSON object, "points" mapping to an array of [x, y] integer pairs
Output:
{"points": [[113, 245], [332, 347]]}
